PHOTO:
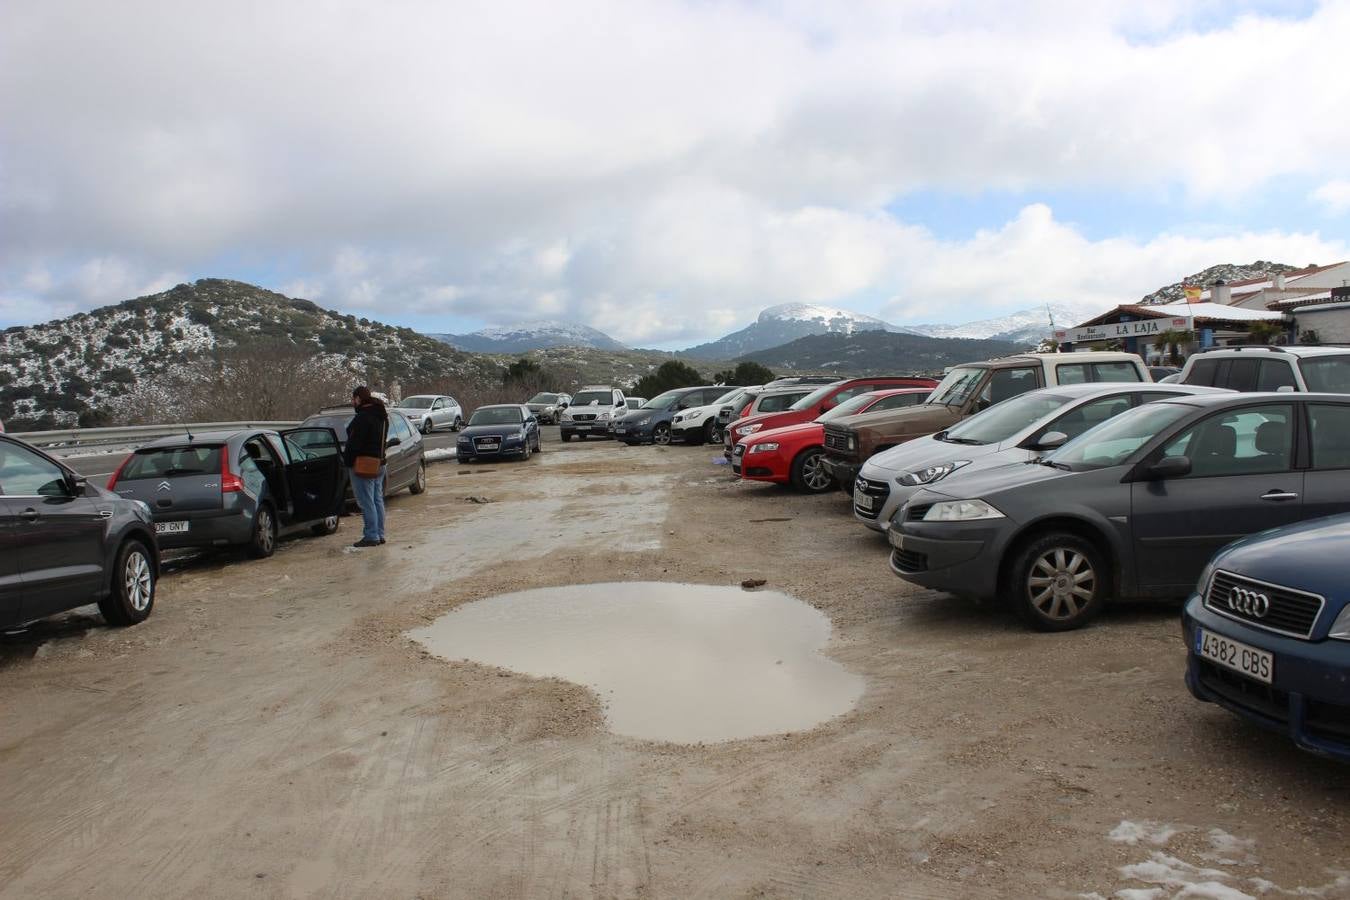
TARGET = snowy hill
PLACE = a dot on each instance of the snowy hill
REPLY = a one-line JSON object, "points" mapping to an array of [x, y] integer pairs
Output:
{"points": [[1026, 326], [1228, 272], [530, 336], [787, 322]]}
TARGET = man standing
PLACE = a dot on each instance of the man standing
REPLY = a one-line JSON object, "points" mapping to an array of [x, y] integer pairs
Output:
{"points": [[364, 457]]}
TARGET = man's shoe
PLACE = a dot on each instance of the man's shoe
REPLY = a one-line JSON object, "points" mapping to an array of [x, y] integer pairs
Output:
{"points": [[365, 543], [381, 540]]}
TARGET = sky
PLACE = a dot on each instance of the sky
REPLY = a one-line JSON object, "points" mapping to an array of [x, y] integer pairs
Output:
{"points": [[664, 170]]}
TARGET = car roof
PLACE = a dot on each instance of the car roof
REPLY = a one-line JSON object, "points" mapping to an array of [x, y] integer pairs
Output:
{"points": [[204, 437], [501, 406], [1244, 398], [1299, 350]]}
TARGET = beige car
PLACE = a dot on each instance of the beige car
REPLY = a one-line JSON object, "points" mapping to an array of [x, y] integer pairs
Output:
{"points": [[966, 390]]}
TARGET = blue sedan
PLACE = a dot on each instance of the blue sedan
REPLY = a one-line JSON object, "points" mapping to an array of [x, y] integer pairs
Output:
{"points": [[506, 429], [1268, 633]]}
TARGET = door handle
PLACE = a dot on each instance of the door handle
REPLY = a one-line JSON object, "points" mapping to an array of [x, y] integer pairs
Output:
{"points": [[29, 515], [1279, 495]]}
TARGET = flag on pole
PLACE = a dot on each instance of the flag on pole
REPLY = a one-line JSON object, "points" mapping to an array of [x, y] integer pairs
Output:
{"points": [[1191, 292]]}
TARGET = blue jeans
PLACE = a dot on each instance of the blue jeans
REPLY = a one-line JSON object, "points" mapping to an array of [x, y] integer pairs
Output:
{"points": [[370, 497]]}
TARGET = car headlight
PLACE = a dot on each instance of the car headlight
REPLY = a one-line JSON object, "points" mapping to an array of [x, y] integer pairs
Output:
{"points": [[931, 473], [763, 448], [961, 511], [1340, 629], [642, 422], [748, 429], [852, 443], [603, 416]]}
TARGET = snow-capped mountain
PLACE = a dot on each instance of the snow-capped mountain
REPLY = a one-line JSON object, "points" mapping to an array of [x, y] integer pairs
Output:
{"points": [[787, 322], [1026, 326], [531, 336]]}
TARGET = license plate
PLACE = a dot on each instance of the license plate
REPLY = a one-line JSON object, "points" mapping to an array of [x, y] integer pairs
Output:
{"points": [[862, 501], [489, 446], [620, 430], [171, 527], [1239, 657], [583, 428], [896, 538]]}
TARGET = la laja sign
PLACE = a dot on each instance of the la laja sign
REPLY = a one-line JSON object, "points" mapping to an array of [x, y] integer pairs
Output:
{"points": [[1117, 330]]}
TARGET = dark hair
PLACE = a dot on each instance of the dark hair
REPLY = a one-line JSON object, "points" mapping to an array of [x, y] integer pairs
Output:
{"points": [[363, 394]]}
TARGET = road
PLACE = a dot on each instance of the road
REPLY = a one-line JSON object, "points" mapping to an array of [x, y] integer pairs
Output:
{"points": [[273, 731]]}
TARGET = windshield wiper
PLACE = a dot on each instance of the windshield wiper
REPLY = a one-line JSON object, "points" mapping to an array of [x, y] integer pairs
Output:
{"points": [[960, 440], [1046, 461]]}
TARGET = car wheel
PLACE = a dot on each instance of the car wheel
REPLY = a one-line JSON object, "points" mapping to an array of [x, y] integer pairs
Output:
{"points": [[809, 473], [459, 423], [715, 435], [426, 426], [661, 434], [1059, 582], [525, 450], [419, 482], [326, 527], [133, 586], [264, 540]]}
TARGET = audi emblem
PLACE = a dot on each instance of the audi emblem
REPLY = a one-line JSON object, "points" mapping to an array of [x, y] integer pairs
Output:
{"points": [[1249, 603]]}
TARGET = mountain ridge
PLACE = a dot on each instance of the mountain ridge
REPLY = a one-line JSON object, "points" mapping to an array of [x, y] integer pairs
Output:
{"points": [[526, 336]]}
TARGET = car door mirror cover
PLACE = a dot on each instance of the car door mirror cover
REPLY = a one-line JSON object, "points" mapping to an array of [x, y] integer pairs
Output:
{"points": [[1052, 440], [1170, 467]]}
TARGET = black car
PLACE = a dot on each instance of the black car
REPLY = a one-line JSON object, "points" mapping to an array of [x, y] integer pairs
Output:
{"points": [[1133, 508], [237, 488], [506, 429], [66, 543], [404, 456]]}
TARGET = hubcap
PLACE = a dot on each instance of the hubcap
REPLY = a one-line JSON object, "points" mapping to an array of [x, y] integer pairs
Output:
{"points": [[265, 529], [138, 581], [331, 523], [661, 435], [1061, 583], [814, 474], [421, 476]]}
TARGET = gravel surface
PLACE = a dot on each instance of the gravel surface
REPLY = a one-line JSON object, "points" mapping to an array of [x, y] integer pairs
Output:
{"points": [[272, 731]]}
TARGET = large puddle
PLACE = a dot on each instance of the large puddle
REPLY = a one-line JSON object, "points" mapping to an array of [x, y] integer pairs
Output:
{"points": [[672, 662]]}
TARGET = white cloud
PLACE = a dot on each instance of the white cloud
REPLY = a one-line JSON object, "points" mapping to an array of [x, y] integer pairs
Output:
{"points": [[660, 169], [1334, 196]]}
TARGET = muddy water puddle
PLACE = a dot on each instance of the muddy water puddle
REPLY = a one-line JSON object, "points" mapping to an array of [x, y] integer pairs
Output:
{"points": [[671, 662]]}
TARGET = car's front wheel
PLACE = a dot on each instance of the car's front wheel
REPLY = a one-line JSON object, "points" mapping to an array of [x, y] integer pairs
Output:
{"points": [[326, 527], [1059, 582], [661, 434], [263, 543], [459, 423], [419, 482], [809, 473], [133, 586]]}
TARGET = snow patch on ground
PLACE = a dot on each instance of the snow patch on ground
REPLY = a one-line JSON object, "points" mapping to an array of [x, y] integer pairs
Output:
{"points": [[440, 454], [1132, 833]]}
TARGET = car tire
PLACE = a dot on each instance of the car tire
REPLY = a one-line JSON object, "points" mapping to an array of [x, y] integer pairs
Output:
{"points": [[427, 427], [326, 527], [131, 596], [1058, 582], [709, 433], [525, 451], [809, 473], [459, 423], [661, 434], [419, 482], [715, 435], [263, 543]]}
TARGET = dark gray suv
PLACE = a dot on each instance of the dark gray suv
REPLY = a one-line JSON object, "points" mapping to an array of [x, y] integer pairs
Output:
{"points": [[66, 543], [1133, 508]]}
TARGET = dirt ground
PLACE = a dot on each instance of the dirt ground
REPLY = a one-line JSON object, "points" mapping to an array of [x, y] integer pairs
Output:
{"points": [[271, 731]]}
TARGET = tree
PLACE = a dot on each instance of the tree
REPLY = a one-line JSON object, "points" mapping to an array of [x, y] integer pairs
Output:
{"points": [[745, 374], [1264, 332], [519, 371], [670, 375], [1170, 342], [1309, 337]]}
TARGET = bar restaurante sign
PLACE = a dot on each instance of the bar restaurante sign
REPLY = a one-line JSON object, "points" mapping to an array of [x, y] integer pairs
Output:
{"points": [[1117, 330]]}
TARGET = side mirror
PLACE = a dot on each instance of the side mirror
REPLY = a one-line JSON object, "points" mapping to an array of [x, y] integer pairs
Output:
{"points": [[77, 483], [1286, 389], [392, 442], [1052, 439], [1170, 467]]}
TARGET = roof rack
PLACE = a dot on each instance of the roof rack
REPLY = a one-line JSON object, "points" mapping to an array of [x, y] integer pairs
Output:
{"points": [[1273, 348]]}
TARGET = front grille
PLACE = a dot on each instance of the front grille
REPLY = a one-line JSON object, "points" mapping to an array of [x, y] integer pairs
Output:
{"points": [[1290, 612], [837, 441], [1244, 692], [739, 451], [585, 417], [909, 561], [487, 445], [915, 512], [879, 490]]}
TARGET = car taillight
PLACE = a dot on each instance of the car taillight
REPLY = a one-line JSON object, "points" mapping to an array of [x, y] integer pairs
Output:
{"points": [[112, 480], [230, 483], [745, 410]]}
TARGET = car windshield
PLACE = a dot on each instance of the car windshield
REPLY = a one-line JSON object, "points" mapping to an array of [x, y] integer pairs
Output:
{"points": [[664, 401], [497, 415], [728, 396], [736, 398], [1329, 374], [166, 462], [1003, 420], [814, 397], [957, 387], [1112, 442], [416, 402], [337, 423], [600, 398], [849, 407], [544, 398]]}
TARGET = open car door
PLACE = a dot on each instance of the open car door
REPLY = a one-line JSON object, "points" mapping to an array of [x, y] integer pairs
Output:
{"points": [[314, 473]]}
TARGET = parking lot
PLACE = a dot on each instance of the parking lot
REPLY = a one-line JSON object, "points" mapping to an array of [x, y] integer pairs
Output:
{"points": [[273, 731]]}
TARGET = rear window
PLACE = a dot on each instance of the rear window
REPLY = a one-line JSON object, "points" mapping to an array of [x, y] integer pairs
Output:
{"points": [[167, 462], [1328, 374], [1203, 372]]}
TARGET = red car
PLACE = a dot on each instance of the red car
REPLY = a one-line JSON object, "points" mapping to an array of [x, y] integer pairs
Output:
{"points": [[815, 404], [793, 453]]}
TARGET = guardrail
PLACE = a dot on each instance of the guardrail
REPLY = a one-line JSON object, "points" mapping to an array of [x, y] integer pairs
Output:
{"points": [[67, 442]]}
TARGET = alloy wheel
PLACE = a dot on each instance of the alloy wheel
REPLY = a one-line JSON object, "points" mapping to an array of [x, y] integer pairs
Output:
{"points": [[814, 473], [266, 534], [138, 581], [661, 434], [1061, 583]]}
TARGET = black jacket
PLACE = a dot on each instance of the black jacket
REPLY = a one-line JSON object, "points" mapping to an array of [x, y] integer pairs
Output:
{"points": [[366, 433]]}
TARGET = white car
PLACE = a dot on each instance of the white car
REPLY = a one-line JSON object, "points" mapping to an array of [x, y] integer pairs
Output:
{"points": [[428, 412], [698, 425], [1014, 431], [591, 413]]}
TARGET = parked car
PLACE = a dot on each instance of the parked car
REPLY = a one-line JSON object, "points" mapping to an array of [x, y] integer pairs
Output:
{"points": [[1161, 372], [730, 408], [504, 429], [1268, 631], [428, 412], [698, 424], [966, 390], [652, 421], [405, 463], [1015, 430], [634, 402], [242, 488], [820, 400], [792, 455], [1134, 508], [66, 543], [1270, 368], [591, 411], [547, 407]]}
